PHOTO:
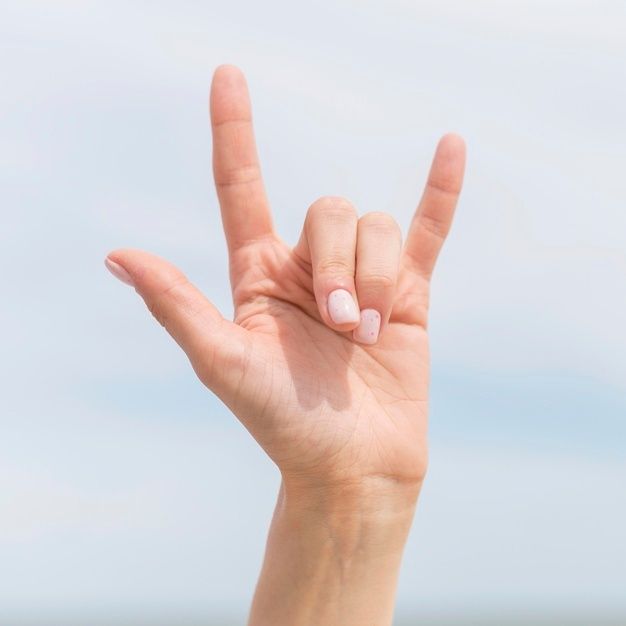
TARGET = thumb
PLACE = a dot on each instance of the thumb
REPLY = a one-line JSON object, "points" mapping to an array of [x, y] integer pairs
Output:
{"points": [[214, 345]]}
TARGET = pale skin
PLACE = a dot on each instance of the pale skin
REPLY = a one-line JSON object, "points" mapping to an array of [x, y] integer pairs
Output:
{"points": [[340, 406]]}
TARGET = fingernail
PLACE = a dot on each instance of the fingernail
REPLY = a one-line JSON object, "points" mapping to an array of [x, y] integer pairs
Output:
{"points": [[342, 308], [367, 331], [119, 272]]}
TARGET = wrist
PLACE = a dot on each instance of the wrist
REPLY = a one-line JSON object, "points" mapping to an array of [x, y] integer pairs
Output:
{"points": [[333, 554], [374, 514], [377, 497]]}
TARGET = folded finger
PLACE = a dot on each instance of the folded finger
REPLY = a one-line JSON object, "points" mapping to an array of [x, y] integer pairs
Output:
{"points": [[379, 243], [328, 243]]}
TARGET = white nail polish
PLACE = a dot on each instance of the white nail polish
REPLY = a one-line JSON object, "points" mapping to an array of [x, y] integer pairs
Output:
{"points": [[367, 331], [341, 307]]}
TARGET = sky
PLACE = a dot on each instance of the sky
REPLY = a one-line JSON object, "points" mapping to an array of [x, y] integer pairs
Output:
{"points": [[126, 489]]}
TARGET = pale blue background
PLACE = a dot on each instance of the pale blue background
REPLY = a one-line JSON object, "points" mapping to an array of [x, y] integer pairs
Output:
{"points": [[126, 489]]}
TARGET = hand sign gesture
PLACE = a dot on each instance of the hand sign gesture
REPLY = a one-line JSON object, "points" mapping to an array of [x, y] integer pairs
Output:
{"points": [[326, 362]]}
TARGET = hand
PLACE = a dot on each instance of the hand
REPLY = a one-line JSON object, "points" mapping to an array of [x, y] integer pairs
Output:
{"points": [[326, 362], [326, 408]]}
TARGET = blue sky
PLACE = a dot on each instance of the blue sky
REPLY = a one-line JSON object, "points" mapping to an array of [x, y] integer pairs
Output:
{"points": [[125, 487]]}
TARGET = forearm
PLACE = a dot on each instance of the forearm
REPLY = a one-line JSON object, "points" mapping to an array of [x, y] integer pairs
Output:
{"points": [[333, 556]]}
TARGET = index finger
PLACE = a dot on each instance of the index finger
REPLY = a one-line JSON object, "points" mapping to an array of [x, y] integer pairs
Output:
{"points": [[245, 210]]}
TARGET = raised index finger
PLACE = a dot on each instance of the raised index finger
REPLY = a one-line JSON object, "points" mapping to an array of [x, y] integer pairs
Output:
{"points": [[243, 203]]}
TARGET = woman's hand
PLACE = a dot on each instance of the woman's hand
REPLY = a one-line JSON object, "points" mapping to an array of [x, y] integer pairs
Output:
{"points": [[326, 362]]}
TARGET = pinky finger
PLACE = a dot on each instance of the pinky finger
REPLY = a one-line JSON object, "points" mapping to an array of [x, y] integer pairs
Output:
{"points": [[433, 218]]}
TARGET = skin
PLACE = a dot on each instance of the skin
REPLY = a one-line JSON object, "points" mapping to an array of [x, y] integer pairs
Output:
{"points": [[345, 422]]}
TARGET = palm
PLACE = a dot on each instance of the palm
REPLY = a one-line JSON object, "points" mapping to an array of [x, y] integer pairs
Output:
{"points": [[322, 405], [328, 403]]}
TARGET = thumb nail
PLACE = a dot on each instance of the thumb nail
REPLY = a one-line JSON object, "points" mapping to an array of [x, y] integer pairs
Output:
{"points": [[119, 272]]}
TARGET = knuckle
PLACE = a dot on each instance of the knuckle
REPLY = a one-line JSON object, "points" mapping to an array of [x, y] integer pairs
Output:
{"points": [[381, 224], [376, 280], [174, 297], [434, 225], [241, 175], [333, 209], [335, 266], [446, 184], [156, 311]]}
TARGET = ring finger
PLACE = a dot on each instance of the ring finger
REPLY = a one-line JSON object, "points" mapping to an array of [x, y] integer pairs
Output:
{"points": [[379, 243]]}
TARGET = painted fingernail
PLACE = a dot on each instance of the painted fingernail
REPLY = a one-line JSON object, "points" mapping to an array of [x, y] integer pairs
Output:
{"points": [[342, 308], [367, 331], [119, 272]]}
